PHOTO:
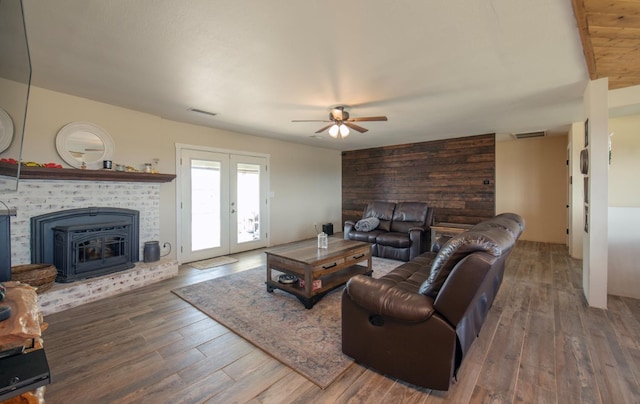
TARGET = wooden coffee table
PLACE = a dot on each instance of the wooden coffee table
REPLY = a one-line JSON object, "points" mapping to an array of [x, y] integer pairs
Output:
{"points": [[320, 270]]}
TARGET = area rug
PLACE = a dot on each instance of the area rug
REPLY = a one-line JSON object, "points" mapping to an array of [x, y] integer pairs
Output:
{"points": [[212, 262], [308, 341]]}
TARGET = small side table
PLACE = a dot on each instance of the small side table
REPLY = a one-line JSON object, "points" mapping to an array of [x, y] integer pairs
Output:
{"points": [[447, 229]]}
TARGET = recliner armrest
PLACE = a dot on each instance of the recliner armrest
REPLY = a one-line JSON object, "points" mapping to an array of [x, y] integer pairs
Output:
{"points": [[348, 226], [418, 237], [381, 297]]}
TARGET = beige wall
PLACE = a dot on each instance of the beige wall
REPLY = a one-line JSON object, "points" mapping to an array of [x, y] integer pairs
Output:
{"points": [[625, 161], [531, 180], [305, 181], [624, 207]]}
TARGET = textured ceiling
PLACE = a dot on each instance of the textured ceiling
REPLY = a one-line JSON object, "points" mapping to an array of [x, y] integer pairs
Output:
{"points": [[435, 69]]}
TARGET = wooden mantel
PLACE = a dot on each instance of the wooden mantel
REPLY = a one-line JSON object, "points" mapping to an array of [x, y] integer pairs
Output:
{"points": [[74, 174]]}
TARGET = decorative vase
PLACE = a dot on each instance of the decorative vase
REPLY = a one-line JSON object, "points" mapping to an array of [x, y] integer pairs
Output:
{"points": [[151, 251], [323, 241]]}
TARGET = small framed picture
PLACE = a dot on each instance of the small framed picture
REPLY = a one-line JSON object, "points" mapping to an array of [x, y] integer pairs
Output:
{"points": [[586, 190], [586, 133], [584, 161], [586, 219]]}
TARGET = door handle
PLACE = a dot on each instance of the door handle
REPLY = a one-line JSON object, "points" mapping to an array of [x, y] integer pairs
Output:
{"points": [[233, 211]]}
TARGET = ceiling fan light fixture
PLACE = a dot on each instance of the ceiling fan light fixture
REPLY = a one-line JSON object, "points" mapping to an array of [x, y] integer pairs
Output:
{"points": [[333, 131], [340, 123], [344, 130]]}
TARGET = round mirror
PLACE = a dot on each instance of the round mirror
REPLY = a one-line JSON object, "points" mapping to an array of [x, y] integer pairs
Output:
{"points": [[84, 144], [6, 130]]}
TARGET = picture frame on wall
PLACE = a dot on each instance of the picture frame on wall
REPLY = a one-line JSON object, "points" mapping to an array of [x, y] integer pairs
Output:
{"points": [[584, 161], [586, 219], [586, 190], [586, 133]]}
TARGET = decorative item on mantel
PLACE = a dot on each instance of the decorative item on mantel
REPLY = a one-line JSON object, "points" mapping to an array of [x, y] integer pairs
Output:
{"points": [[31, 163]]}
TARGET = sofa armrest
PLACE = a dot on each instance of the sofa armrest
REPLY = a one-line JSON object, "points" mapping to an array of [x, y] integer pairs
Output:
{"points": [[348, 226], [418, 237], [381, 297]]}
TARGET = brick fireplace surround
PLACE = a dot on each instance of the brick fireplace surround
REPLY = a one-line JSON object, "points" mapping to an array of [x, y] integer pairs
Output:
{"points": [[39, 196]]}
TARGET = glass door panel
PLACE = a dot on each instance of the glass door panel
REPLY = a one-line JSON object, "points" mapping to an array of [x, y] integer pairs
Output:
{"points": [[248, 202], [205, 204], [248, 197]]}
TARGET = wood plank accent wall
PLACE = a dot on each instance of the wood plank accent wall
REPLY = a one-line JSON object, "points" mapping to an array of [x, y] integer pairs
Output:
{"points": [[448, 174]]}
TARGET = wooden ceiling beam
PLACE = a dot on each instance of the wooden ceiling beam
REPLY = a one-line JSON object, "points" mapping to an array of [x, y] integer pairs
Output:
{"points": [[610, 35], [613, 20], [617, 34], [583, 27], [618, 7]]}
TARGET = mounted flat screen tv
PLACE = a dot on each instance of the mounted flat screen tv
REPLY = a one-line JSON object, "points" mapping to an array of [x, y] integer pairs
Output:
{"points": [[15, 79]]}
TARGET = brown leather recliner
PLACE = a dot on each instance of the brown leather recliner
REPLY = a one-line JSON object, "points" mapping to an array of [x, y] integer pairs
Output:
{"points": [[417, 322], [404, 231]]}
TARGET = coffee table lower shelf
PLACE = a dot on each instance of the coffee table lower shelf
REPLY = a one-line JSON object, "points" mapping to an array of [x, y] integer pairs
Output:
{"points": [[329, 283]]}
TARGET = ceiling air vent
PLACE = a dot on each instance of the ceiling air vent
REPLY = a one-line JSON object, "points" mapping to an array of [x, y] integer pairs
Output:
{"points": [[200, 111], [529, 135]]}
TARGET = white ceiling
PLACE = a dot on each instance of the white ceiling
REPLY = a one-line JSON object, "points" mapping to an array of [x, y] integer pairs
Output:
{"points": [[436, 69]]}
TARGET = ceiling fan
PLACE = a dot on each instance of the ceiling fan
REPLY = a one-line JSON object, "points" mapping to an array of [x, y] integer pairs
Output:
{"points": [[341, 122]]}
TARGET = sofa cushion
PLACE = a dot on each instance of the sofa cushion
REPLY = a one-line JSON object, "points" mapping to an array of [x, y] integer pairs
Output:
{"points": [[456, 249], [407, 215], [410, 275], [367, 236], [383, 211], [392, 239]]}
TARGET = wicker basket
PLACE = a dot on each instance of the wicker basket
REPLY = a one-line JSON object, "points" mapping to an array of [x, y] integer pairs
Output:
{"points": [[40, 276]]}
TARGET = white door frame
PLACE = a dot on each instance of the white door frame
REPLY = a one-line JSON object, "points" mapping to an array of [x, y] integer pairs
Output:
{"points": [[180, 199]]}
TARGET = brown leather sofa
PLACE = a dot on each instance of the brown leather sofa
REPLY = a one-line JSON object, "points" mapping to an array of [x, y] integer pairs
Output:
{"points": [[417, 322], [404, 231]]}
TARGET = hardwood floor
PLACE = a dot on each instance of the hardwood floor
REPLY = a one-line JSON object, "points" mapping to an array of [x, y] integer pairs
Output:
{"points": [[540, 344]]}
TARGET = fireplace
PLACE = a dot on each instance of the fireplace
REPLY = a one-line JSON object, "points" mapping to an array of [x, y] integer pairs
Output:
{"points": [[86, 242]]}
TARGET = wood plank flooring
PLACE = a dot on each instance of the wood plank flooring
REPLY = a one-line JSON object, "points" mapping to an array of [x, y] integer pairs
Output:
{"points": [[539, 344]]}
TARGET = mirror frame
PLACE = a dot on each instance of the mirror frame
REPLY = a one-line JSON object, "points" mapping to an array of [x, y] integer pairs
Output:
{"points": [[70, 129], [15, 80]]}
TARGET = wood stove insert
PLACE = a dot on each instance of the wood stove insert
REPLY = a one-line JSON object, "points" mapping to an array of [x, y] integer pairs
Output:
{"points": [[86, 242]]}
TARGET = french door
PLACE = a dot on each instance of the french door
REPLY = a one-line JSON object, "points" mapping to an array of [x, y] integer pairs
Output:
{"points": [[223, 203]]}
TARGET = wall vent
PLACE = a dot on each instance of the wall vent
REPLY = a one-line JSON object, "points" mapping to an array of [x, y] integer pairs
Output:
{"points": [[528, 135]]}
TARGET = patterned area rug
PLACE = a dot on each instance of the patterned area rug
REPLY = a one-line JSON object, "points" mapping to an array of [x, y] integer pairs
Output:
{"points": [[308, 341], [212, 263]]}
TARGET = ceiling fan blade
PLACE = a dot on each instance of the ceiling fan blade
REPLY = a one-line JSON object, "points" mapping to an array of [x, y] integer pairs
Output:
{"points": [[355, 127], [311, 120], [368, 118], [325, 128]]}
